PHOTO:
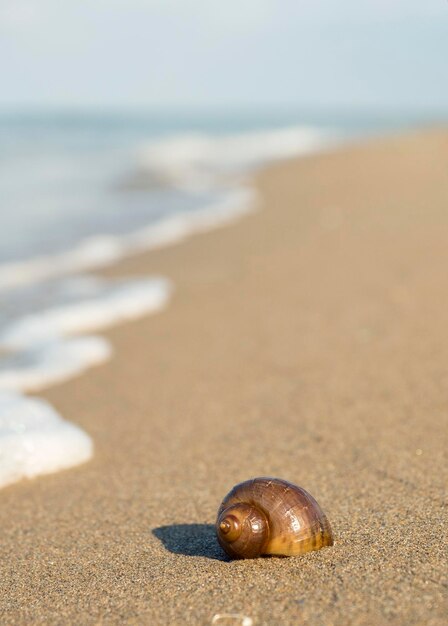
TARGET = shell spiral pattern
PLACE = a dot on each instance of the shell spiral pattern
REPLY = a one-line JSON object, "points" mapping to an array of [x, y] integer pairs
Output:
{"points": [[270, 516]]}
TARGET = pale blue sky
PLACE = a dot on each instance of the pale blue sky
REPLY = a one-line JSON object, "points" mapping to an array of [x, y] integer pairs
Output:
{"points": [[375, 53]]}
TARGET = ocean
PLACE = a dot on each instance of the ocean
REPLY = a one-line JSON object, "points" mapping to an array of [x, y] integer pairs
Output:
{"points": [[82, 190]]}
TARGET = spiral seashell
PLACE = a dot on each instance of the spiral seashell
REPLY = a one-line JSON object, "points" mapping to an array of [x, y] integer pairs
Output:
{"points": [[270, 516]]}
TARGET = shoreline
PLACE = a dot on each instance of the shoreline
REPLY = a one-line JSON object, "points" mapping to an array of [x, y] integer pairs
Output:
{"points": [[48, 340], [288, 339]]}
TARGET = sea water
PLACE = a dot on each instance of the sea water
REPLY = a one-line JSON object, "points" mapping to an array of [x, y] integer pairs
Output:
{"points": [[79, 191]]}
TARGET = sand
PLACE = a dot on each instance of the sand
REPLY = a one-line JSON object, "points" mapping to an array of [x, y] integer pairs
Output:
{"points": [[308, 342]]}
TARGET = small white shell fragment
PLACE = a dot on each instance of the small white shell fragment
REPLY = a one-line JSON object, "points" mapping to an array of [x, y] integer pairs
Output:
{"points": [[232, 619]]}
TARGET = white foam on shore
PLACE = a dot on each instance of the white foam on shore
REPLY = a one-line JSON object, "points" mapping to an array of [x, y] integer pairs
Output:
{"points": [[35, 440], [189, 161], [113, 303], [53, 362], [232, 207], [42, 351], [198, 160], [99, 252]]}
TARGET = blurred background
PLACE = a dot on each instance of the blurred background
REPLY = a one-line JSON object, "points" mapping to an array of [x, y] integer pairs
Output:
{"points": [[112, 112], [124, 121]]}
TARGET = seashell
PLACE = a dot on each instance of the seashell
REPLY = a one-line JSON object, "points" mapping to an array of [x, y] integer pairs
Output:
{"points": [[270, 516]]}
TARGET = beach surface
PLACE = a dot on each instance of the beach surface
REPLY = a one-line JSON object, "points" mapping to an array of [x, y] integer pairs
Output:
{"points": [[308, 342]]}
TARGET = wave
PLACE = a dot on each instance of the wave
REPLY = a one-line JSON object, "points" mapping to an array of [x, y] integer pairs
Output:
{"points": [[197, 160], [110, 303], [190, 161], [34, 439], [101, 251]]}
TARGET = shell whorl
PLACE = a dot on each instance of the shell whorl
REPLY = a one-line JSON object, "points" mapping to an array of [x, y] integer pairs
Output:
{"points": [[242, 530], [270, 516]]}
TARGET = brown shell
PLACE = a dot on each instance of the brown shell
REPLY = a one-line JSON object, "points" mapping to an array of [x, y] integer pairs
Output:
{"points": [[287, 520]]}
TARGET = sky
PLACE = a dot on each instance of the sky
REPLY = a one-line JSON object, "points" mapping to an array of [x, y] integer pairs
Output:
{"points": [[385, 54]]}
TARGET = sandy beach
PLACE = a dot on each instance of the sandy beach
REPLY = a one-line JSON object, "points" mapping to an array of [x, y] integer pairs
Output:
{"points": [[309, 342]]}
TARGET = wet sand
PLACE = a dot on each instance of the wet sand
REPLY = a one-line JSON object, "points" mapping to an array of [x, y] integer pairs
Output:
{"points": [[309, 342]]}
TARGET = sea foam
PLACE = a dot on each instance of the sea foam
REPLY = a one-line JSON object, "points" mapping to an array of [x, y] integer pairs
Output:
{"points": [[112, 303], [198, 160], [35, 440], [42, 351], [189, 161], [101, 251], [41, 366]]}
